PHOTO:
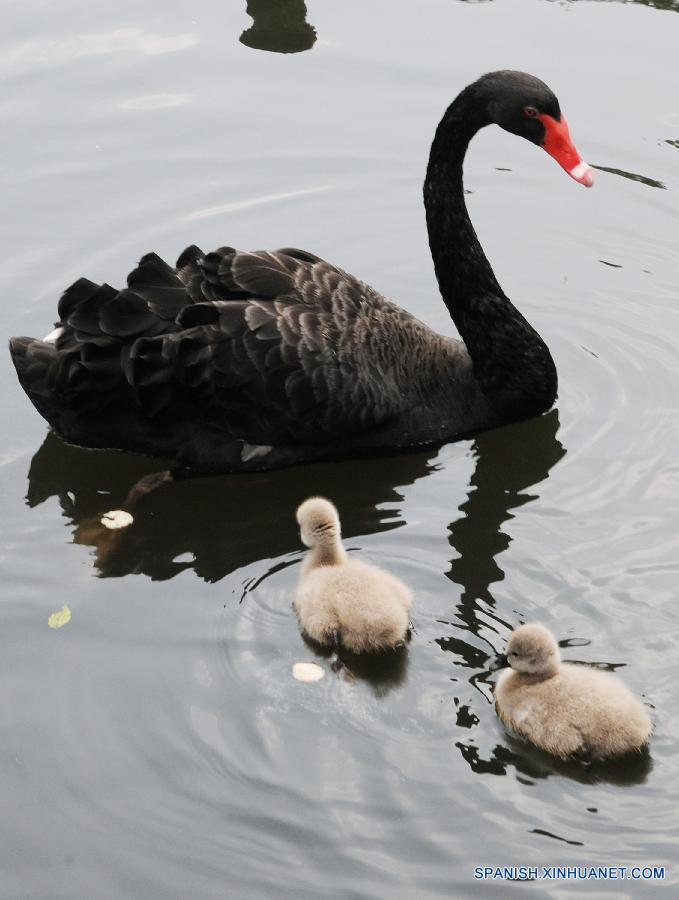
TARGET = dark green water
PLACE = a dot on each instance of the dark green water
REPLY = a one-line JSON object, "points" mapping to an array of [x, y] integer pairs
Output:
{"points": [[157, 746]]}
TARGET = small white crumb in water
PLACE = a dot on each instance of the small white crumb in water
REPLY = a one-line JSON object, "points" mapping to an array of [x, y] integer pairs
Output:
{"points": [[116, 518], [307, 672]]}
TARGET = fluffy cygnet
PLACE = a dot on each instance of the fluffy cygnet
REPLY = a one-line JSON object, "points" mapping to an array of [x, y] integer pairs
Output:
{"points": [[567, 710], [341, 600]]}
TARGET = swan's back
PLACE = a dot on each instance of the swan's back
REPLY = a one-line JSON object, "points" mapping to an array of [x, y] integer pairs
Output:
{"points": [[342, 599], [366, 605]]}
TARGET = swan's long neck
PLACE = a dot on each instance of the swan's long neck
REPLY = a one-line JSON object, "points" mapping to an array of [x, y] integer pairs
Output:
{"points": [[327, 551], [461, 266], [511, 362]]}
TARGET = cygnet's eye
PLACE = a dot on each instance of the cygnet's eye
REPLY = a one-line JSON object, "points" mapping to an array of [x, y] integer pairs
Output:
{"points": [[530, 111], [513, 653]]}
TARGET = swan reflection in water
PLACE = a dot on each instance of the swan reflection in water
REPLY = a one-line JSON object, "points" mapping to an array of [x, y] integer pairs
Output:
{"points": [[382, 671], [199, 524], [531, 763], [202, 519], [279, 26], [509, 462], [216, 524]]}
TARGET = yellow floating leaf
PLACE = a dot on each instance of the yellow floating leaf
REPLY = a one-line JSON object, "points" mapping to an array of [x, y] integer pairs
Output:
{"points": [[57, 619]]}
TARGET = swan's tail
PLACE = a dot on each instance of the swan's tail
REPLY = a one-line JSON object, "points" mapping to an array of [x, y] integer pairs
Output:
{"points": [[81, 368], [35, 362]]}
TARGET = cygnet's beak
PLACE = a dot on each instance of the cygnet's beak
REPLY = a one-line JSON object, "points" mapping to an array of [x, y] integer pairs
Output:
{"points": [[498, 662]]}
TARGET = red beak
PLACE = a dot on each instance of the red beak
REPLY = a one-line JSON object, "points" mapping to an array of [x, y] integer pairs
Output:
{"points": [[558, 144]]}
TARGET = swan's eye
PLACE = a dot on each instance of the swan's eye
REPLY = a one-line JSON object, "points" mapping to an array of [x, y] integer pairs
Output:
{"points": [[530, 111]]}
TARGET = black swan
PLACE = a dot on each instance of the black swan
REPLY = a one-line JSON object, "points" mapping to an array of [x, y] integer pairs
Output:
{"points": [[241, 361]]}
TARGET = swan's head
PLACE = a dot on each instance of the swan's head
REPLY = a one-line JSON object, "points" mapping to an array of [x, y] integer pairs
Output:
{"points": [[532, 650], [524, 105], [318, 521]]}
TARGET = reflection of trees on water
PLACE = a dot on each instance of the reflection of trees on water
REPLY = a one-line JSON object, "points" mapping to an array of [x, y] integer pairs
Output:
{"points": [[633, 176], [279, 26], [660, 4], [656, 4]]}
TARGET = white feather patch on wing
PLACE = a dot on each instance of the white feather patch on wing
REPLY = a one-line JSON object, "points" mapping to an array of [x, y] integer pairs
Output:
{"points": [[253, 451]]}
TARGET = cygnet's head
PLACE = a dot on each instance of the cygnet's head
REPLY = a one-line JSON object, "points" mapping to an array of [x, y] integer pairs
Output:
{"points": [[318, 521], [531, 650]]}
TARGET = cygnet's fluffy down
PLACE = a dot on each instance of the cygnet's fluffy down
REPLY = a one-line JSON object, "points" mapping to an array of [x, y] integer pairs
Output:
{"points": [[567, 710], [345, 600]]}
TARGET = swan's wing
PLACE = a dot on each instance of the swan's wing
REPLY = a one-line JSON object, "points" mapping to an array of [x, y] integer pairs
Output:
{"points": [[265, 346], [280, 346]]}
